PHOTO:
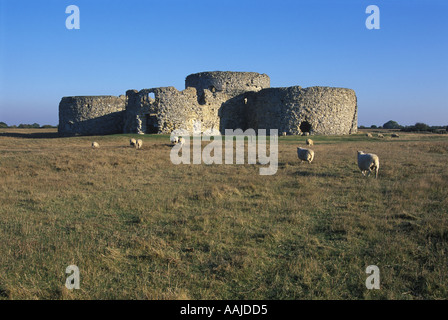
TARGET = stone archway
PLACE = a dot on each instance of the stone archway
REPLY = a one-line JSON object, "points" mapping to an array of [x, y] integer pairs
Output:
{"points": [[152, 125], [305, 126]]}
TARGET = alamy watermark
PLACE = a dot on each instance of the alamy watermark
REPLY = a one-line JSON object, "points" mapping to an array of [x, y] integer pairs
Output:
{"points": [[73, 280], [256, 148], [373, 20], [73, 20], [373, 281]]}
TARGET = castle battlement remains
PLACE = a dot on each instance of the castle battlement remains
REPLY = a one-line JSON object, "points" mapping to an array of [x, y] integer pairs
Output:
{"points": [[217, 100]]}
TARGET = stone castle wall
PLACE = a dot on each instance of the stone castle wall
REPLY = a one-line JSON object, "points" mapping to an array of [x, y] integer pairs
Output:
{"points": [[171, 109], [201, 101], [218, 101], [91, 115], [230, 83], [296, 110]]}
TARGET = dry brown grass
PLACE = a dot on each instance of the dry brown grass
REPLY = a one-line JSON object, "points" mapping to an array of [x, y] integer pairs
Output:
{"points": [[139, 227]]}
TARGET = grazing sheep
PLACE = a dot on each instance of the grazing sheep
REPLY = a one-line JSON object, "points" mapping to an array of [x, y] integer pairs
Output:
{"points": [[95, 145], [368, 162], [305, 154], [309, 142], [284, 134], [306, 134], [132, 142], [181, 141], [395, 135], [368, 134], [174, 140], [380, 135], [138, 144]]}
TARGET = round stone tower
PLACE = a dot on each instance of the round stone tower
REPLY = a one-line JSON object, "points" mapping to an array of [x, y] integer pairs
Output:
{"points": [[296, 110], [230, 83], [91, 115]]}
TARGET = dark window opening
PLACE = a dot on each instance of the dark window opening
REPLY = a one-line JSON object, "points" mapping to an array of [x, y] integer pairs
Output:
{"points": [[152, 125], [212, 89], [201, 99], [305, 126]]}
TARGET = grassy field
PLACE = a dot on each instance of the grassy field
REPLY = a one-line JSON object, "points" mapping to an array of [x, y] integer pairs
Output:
{"points": [[139, 227]]}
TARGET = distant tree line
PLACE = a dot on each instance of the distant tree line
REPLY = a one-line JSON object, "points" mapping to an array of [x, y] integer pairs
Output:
{"points": [[418, 127], [22, 125]]}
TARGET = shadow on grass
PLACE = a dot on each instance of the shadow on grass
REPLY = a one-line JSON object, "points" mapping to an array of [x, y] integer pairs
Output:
{"points": [[316, 174], [33, 135]]}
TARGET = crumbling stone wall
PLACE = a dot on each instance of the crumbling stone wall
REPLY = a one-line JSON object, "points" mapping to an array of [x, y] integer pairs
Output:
{"points": [[218, 101], [234, 113], [171, 109], [296, 110], [91, 115], [230, 83], [205, 93]]}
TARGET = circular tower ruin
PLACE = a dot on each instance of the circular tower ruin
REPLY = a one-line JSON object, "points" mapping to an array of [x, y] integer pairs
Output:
{"points": [[228, 82], [297, 110], [91, 115]]}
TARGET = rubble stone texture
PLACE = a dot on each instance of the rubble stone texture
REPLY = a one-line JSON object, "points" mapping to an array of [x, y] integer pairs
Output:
{"points": [[217, 101], [91, 115]]}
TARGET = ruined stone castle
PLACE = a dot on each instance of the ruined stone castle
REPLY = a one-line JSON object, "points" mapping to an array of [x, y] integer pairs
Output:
{"points": [[218, 101]]}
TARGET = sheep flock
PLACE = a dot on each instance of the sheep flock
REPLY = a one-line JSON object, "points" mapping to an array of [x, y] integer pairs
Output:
{"points": [[368, 163]]}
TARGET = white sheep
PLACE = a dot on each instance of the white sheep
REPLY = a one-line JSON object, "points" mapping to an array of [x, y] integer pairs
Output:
{"points": [[174, 140], [380, 135], [305, 154], [309, 142], [368, 134], [95, 145], [139, 144], [395, 135], [284, 134], [368, 162], [132, 142]]}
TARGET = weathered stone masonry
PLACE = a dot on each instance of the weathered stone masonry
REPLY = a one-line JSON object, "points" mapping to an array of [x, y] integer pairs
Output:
{"points": [[91, 115], [218, 101], [170, 109], [295, 110]]}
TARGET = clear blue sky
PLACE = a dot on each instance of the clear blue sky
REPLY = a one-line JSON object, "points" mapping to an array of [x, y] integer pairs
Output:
{"points": [[399, 72]]}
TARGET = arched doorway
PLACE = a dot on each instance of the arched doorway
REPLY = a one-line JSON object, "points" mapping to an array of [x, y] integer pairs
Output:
{"points": [[152, 125], [305, 126]]}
